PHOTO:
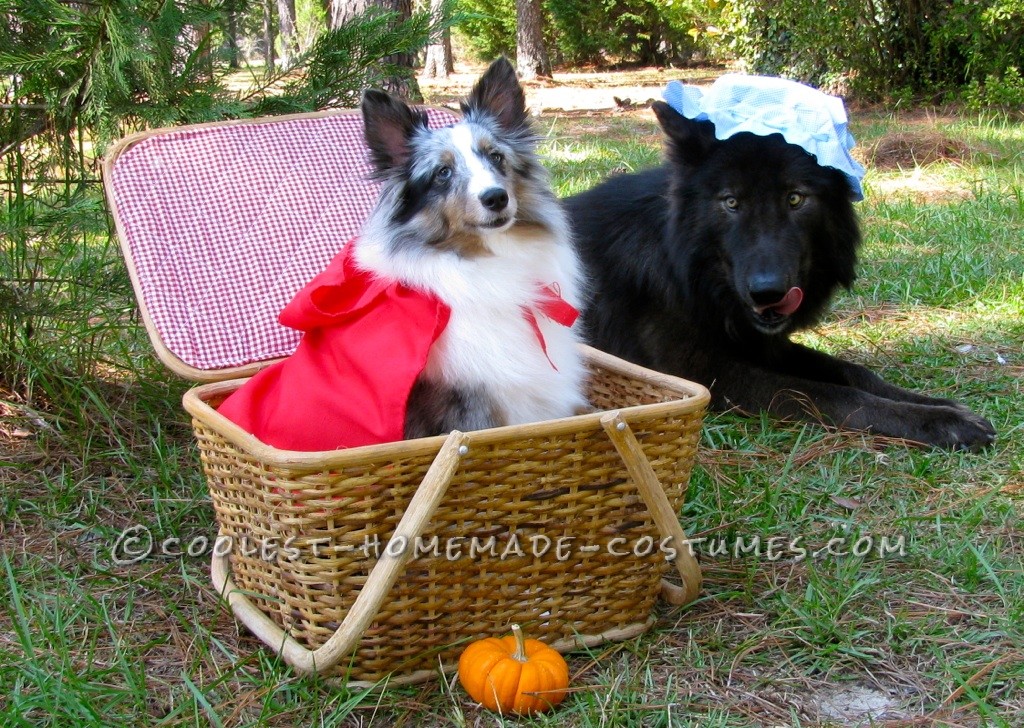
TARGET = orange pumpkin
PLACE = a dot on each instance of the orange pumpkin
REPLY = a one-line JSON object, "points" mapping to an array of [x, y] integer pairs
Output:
{"points": [[514, 674]]}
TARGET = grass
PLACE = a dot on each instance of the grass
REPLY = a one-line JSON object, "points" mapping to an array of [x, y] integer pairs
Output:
{"points": [[841, 571]]}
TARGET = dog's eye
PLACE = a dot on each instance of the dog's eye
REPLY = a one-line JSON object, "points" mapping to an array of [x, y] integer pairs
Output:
{"points": [[497, 157], [443, 174], [731, 203], [795, 199]]}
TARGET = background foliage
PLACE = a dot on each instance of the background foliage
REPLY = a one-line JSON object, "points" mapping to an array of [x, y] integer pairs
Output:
{"points": [[590, 31], [877, 48], [936, 49], [648, 31]]}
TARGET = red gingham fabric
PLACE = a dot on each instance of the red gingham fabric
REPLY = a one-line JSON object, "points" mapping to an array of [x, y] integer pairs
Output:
{"points": [[226, 223]]}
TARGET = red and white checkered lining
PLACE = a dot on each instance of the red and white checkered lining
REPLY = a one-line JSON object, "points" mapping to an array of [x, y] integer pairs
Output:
{"points": [[226, 223]]}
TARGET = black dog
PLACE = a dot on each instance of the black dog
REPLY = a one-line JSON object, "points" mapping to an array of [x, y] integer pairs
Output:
{"points": [[704, 267]]}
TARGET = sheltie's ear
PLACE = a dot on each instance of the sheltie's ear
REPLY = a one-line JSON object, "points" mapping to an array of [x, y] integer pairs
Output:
{"points": [[499, 95], [389, 127]]}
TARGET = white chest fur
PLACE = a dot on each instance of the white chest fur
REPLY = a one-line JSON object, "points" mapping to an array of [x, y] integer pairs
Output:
{"points": [[490, 341]]}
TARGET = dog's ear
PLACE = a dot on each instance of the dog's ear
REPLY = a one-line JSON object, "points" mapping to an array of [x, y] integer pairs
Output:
{"points": [[499, 94], [389, 128], [689, 140]]}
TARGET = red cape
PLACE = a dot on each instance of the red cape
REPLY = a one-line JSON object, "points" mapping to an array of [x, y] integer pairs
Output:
{"points": [[365, 341]]}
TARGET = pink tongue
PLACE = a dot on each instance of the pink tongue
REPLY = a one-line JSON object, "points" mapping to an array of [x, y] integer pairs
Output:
{"points": [[789, 303]]}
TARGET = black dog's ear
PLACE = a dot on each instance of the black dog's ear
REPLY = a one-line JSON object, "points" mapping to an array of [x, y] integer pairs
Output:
{"points": [[689, 140], [389, 128], [499, 94]]}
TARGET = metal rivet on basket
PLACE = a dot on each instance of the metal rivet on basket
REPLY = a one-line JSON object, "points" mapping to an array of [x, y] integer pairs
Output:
{"points": [[620, 426], [463, 449]]}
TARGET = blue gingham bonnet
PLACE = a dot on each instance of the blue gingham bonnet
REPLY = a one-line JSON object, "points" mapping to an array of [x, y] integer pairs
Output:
{"points": [[766, 105]]}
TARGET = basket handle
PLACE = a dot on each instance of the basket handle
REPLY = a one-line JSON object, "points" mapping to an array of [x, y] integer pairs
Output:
{"points": [[383, 576], [665, 518]]}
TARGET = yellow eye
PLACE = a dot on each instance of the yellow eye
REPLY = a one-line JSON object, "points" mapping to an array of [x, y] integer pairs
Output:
{"points": [[795, 199], [731, 203]]}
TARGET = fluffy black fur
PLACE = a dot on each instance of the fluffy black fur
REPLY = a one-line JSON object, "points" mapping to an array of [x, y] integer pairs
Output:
{"points": [[691, 263]]}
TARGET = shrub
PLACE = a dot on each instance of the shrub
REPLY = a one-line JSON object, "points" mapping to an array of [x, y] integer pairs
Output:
{"points": [[585, 31], [879, 47], [1003, 91], [644, 31], [488, 27]]}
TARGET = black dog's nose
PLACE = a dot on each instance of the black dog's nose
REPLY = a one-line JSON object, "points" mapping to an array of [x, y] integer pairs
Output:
{"points": [[495, 199], [766, 289]]}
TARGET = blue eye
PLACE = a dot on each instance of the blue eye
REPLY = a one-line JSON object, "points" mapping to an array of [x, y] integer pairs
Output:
{"points": [[443, 174]]}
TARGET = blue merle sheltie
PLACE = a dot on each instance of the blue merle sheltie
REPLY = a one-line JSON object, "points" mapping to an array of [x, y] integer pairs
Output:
{"points": [[467, 214]]}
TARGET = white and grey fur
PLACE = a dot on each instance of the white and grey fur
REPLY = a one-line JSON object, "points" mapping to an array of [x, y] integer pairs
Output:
{"points": [[467, 213]]}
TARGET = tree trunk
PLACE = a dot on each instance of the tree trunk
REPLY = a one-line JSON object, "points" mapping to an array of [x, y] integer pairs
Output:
{"points": [[439, 62], [289, 35], [344, 10], [406, 86], [232, 34], [341, 11], [269, 36], [531, 55], [204, 58]]}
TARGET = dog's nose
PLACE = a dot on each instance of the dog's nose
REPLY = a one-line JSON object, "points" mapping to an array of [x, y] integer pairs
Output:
{"points": [[495, 199], [766, 289]]}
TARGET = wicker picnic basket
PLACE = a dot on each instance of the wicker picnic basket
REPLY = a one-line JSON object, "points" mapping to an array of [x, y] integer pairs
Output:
{"points": [[381, 563]]}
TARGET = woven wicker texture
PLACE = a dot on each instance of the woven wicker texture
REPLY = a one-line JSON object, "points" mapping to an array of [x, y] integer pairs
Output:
{"points": [[541, 525]]}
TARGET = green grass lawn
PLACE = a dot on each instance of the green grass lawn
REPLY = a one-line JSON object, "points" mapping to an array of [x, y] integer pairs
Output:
{"points": [[846, 578]]}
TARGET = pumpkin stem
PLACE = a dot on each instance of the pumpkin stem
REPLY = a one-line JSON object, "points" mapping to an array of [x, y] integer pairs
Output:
{"points": [[520, 653]]}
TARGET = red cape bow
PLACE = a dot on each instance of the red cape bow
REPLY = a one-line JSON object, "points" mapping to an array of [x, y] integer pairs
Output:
{"points": [[556, 308]]}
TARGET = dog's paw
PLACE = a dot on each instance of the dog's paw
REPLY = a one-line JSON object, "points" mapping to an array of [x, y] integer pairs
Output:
{"points": [[954, 428]]}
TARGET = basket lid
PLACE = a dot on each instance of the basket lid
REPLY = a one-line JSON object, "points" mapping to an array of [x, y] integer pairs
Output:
{"points": [[221, 224]]}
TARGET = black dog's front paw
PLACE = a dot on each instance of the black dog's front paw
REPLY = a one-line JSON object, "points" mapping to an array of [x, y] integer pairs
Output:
{"points": [[954, 428]]}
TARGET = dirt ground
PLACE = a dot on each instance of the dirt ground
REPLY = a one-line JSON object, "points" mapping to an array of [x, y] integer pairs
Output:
{"points": [[576, 91]]}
